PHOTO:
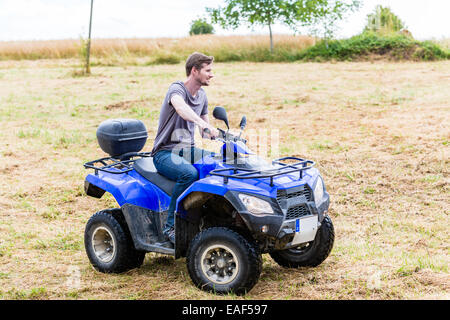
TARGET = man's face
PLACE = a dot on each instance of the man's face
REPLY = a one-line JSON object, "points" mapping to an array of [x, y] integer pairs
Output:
{"points": [[204, 75]]}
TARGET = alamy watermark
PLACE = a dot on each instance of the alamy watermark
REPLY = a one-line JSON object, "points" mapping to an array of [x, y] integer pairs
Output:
{"points": [[262, 143], [73, 280]]}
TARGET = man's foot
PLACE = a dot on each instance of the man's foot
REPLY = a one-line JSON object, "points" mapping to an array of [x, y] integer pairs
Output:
{"points": [[170, 235]]}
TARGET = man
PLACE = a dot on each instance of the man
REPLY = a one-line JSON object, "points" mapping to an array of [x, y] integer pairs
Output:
{"points": [[184, 107]]}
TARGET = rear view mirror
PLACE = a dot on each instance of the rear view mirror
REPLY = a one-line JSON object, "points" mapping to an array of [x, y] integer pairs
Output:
{"points": [[243, 122], [221, 114]]}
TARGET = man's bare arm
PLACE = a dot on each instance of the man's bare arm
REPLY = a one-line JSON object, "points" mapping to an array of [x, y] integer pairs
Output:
{"points": [[187, 114]]}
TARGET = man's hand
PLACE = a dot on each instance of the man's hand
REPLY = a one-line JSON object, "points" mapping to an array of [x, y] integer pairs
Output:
{"points": [[211, 131]]}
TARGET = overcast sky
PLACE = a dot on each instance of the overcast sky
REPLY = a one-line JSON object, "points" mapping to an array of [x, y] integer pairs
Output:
{"points": [[65, 19]]}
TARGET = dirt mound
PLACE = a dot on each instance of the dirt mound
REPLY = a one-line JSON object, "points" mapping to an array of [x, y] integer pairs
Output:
{"points": [[126, 104]]}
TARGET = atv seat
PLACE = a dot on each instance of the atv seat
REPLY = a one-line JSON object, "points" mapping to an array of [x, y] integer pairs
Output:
{"points": [[146, 168]]}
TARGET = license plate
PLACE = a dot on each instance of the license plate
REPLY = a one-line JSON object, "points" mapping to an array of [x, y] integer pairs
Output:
{"points": [[305, 229]]}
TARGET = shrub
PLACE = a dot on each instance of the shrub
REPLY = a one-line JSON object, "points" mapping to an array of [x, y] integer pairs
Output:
{"points": [[393, 47], [201, 26]]}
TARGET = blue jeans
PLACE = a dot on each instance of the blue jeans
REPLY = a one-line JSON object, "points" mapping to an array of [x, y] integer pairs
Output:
{"points": [[177, 165]]}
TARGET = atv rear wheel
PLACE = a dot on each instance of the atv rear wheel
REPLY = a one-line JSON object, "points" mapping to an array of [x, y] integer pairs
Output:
{"points": [[310, 254], [108, 243], [222, 261]]}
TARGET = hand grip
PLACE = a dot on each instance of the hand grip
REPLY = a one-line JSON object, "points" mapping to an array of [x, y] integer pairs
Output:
{"points": [[206, 130]]}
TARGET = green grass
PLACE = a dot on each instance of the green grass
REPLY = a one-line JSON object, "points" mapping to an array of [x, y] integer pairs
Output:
{"points": [[62, 242], [32, 294]]}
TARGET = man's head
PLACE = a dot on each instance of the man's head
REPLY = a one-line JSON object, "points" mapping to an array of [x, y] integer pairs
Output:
{"points": [[199, 67]]}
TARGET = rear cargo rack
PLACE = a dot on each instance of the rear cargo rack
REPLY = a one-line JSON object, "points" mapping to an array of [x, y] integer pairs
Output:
{"points": [[286, 168], [116, 166]]}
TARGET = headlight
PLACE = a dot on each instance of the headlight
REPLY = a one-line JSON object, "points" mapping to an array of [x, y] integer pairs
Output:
{"points": [[255, 205], [318, 192]]}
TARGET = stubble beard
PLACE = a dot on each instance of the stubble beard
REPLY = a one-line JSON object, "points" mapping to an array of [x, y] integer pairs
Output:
{"points": [[204, 83]]}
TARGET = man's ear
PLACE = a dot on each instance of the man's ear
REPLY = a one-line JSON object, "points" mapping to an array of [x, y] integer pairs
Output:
{"points": [[194, 71]]}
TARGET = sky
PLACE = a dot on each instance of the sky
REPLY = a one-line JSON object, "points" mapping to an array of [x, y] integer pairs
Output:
{"points": [[69, 19]]}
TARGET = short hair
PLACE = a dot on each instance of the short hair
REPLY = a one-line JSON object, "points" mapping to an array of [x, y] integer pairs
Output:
{"points": [[196, 60]]}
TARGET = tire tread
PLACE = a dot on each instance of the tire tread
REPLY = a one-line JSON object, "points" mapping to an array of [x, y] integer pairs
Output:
{"points": [[128, 257], [254, 258], [322, 252]]}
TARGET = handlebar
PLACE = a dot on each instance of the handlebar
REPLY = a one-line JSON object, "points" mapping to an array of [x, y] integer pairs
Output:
{"points": [[225, 136]]}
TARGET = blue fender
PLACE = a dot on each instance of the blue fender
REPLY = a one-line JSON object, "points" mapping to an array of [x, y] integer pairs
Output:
{"points": [[131, 188], [215, 185]]}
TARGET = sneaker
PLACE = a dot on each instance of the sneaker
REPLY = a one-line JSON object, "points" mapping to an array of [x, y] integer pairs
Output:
{"points": [[170, 235]]}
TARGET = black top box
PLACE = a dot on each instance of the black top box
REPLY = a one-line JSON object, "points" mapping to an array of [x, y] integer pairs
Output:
{"points": [[119, 136]]}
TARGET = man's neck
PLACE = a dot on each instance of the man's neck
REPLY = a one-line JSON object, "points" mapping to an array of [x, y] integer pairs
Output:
{"points": [[192, 86]]}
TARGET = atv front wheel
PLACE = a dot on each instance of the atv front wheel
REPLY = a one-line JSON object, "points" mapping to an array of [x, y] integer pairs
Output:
{"points": [[220, 260], [108, 243], [310, 254]]}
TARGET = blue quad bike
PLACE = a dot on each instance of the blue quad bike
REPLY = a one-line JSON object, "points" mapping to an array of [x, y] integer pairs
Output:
{"points": [[240, 208]]}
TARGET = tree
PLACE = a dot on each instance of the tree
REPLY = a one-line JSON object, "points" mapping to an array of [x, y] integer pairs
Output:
{"points": [[383, 21], [293, 13], [88, 49], [201, 26]]}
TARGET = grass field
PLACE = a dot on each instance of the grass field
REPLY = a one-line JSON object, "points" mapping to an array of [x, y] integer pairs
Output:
{"points": [[379, 133], [119, 52], [249, 48]]}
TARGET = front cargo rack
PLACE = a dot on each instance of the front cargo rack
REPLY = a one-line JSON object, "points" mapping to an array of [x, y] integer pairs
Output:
{"points": [[120, 165], [299, 166]]}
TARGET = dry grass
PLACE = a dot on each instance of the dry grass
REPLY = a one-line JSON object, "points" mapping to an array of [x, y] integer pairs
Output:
{"points": [[378, 132], [121, 51]]}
